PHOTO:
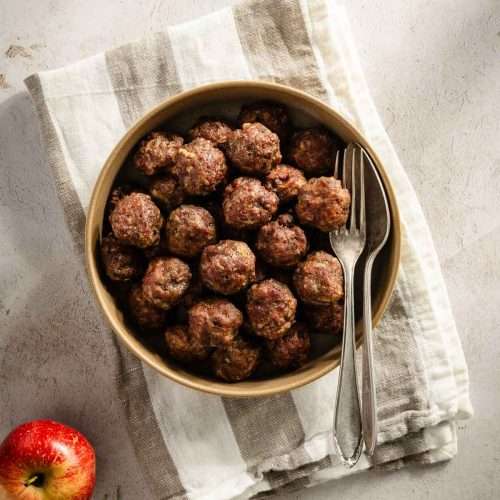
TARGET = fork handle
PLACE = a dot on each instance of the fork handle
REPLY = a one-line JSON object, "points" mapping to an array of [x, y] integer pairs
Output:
{"points": [[347, 429], [369, 395]]}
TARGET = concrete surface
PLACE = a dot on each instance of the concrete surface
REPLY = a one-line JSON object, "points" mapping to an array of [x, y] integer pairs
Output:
{"points": [[434, 69]]}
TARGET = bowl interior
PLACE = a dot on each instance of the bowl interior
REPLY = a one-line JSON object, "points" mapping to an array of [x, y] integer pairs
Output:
{"points": [[179, 113]]}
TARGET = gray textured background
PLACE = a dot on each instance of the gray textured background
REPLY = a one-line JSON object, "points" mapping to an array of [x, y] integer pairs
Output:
{"points": [[434, 70]]}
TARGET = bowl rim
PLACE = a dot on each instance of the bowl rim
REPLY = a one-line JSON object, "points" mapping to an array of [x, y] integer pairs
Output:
{"points": [[134, 345]]}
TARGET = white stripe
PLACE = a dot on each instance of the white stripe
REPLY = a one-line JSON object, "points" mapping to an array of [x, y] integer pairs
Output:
{"points": [[200, 439], [84, 109], [208, 49]]}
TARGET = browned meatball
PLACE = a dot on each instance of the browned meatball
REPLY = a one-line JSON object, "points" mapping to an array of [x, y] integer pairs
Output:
{"points": [[200, 167], [313, 150], [326, 319], [165, 191], [291, 350], [271, 114], [136, 220], [157, 151], [271, 308], [165, 282], [183, 346], [235, 361], [145, 314], [216, 131], [319, 279], [281, 243], [227, 267], [286, 182], [323, 203], [214, 322], [121, 262], [189, 229], [254, 149], [248, 204]]}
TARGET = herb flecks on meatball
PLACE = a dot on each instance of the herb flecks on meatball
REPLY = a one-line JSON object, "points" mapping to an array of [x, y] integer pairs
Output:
{"points": [[189, 229], [183, 346], [272, 115], [286, 182], [216, 131], [145, 314], [236, 361], [281, 243], [166, 192], [271, 308], [323, 203], [215, 322], [319, 279], [313, 150], [254, 149], [200, 167], [165, 282], [326, 319], [121, 262], [248, 204], [291, 350], [136, 220], [227, 267], [158, 151]]}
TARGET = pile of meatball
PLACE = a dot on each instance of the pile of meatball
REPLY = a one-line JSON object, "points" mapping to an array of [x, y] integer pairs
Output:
{"points": [[221, 248]]}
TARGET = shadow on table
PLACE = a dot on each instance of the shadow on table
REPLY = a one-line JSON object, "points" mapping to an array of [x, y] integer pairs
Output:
{"points": [[52, 358]]}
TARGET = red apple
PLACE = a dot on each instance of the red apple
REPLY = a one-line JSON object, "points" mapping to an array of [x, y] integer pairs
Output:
{"points": [[45, 460]]}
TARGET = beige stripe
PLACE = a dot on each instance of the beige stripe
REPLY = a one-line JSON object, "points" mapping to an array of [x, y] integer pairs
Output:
{"points": [[73, 210], [146, 436], [142, 73], [268, 431], [277, 45]]}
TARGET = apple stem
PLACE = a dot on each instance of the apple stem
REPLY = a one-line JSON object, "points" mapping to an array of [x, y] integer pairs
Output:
{"points": [[32, 480]]}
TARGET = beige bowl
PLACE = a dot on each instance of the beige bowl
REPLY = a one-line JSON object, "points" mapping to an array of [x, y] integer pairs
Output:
{"points": [[182, 109]]}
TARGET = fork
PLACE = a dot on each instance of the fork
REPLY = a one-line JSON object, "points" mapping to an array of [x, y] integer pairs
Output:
{"points": [[348, 243]]}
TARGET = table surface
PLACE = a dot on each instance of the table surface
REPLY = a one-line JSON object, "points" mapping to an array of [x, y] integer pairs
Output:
{"points": [[433, 68]]}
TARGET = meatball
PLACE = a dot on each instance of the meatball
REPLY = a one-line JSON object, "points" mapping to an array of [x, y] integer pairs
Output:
{"points": [[319, 279], [216, 131], [323, 203], [286, 182], [200, 167], [254, 149], [136, 220], [214, 322], [291, 350], [227, 267], [248, 204], [165, 282], [281, 243], [145, 314], [189, 229], [271, 308], [236, 361], [121, 262], [157, 151], [165, 191], [183, 346], [271, 114], [313, 150], [326, 319]]}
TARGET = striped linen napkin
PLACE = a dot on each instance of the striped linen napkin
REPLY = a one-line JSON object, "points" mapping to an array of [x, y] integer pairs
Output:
{"points": [[198, 446]]}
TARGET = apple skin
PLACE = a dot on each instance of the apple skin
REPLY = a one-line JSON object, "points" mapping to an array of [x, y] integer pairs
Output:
{"points": [[59, 456]]}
